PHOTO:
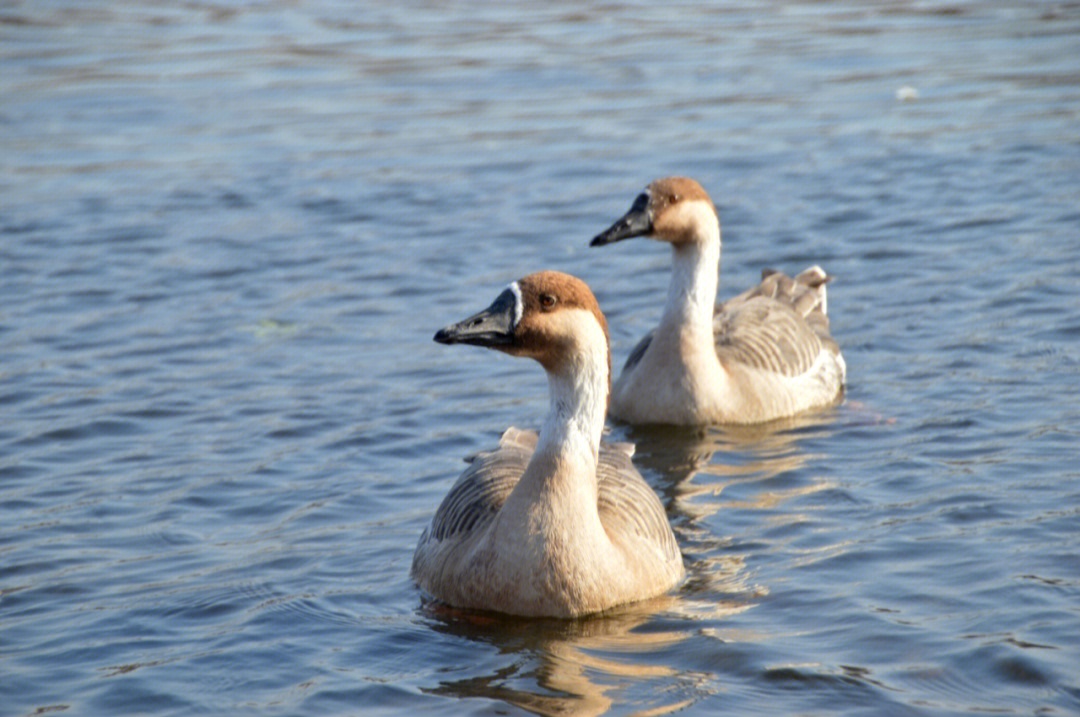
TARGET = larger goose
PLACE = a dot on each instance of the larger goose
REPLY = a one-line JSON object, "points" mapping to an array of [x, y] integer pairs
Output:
{"points": [[556, 524]]}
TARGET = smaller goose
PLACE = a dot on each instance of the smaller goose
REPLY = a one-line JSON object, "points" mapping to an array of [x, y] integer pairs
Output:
{"points": [[762, 355], [556, 524]]}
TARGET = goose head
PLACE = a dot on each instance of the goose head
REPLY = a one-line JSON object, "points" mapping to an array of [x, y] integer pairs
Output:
{"points": [[547, 316], [676, 210]]}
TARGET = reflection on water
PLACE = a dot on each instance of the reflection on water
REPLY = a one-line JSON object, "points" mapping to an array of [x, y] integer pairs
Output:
{"points": [[692, 468], [572, 667], [685, 457]]}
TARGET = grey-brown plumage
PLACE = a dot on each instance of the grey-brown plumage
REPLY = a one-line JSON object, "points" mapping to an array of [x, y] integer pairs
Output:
{"points": [[625, 502], [780, 325]]}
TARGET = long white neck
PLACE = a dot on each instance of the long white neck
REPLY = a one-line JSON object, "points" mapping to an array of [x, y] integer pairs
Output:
{"points": [[578, 387], [575, 418], [695, 270]]}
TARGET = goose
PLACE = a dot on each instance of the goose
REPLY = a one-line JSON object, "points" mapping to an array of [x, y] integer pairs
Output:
{"points": [[762, 355], [555, 523]]}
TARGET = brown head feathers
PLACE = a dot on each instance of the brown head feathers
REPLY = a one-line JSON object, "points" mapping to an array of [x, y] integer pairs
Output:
{"points": [[546, 295], [672, 190]]}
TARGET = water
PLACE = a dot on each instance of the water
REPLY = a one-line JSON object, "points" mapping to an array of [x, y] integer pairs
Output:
{"points": [[228, 232]]}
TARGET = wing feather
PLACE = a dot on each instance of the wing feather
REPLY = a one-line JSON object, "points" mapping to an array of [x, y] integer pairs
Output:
{"points": [[627, 504], [479, 493], [639, 351], [780, 325]]}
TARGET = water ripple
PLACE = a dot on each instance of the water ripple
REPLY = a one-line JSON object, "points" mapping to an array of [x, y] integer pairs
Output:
{"points": [[229, 232]]}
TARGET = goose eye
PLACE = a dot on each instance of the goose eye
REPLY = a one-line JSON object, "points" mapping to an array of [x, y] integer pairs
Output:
{"points": [[547, 301]]}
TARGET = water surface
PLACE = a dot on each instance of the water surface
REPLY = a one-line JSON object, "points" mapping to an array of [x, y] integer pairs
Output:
{"points": [[228, 232]]}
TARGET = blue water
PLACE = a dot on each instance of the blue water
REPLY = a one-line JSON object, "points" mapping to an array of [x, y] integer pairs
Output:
{"points": [[228, 232]]}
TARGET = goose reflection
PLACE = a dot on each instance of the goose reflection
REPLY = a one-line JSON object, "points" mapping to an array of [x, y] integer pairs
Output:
{"points": [[742, 453], [576, 667], [692, 467]]}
